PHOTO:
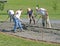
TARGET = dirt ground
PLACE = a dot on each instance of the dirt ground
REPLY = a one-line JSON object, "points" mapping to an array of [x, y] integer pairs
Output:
{"points": [[34, 31]]}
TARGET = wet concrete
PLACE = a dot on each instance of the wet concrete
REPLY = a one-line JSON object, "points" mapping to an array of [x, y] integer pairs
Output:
{"points": [[34, 31], [39, 21]]}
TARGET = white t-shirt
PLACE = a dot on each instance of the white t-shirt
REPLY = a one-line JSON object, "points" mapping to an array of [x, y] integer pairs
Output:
{"points": [[42, 11], [10, 12], [18, 14]]}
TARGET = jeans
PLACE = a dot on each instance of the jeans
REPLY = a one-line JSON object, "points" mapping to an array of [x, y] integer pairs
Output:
{"points": [[17, 24]]}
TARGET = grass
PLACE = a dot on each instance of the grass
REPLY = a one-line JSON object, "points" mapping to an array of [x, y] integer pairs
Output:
{"points": [[24, 4], [8, 40]]}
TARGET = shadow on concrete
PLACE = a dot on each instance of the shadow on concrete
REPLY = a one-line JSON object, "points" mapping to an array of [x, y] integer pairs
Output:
{"points": [[4, 30]]}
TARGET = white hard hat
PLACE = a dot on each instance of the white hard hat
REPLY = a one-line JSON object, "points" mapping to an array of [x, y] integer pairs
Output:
{"points": [[29, 9]]}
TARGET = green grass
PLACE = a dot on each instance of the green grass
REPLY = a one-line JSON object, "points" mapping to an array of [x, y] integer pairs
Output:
{"points": [[7, 40], [24, 4]]}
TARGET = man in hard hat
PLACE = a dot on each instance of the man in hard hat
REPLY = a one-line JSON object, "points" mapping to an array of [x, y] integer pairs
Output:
{"points": [[45, 18], [17, 20], [30, 15], [11, 14]]}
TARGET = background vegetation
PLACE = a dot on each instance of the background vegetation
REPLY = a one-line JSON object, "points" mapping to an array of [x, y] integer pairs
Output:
{"points": [[53, 7]]}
